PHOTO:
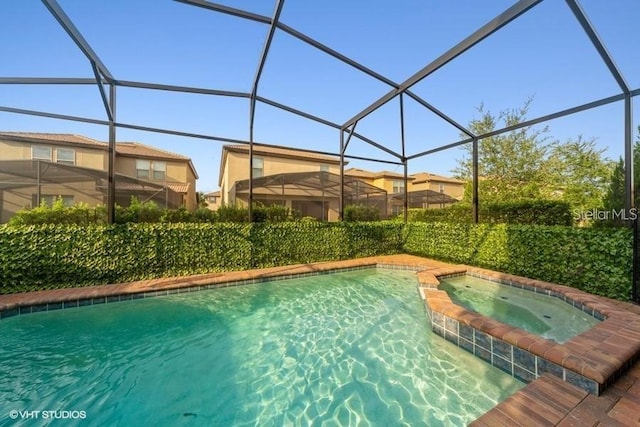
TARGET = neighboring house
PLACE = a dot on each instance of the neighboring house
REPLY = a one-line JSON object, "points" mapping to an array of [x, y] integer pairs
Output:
{"points": [[308, 193], [40, 167], [452, 187], [213, 200], [391, 182], [310, 183]]}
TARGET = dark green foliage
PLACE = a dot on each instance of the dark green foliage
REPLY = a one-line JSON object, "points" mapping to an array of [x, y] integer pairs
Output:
{"points": [[204, 215], [541, 212], [55, 256], [361, 213], [138, 212], [177, 215], [80, 213], [273, 213], [597, 261], [232, 213]]}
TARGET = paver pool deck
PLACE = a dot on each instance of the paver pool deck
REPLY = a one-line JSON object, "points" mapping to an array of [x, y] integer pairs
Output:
{"points": [[607, 353]]}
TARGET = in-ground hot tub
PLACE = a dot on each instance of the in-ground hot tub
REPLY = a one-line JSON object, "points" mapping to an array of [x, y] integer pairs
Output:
{"points": [[538, 313], [591, 360]]}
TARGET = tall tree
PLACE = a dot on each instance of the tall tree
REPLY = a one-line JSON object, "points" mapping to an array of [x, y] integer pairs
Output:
{"points": [[511, 165], [579, 173], [614, 198]]}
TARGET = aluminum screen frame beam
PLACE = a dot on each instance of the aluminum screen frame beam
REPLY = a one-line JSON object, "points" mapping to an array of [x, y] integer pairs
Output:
{"points": [[47, 81], [542, 119], [182, 89], [177, 133], [103, 95], [326, 49], [67, 24], [521, 7], [615, 71], [111, 167], [589, 29], [254, 93], [405, 164], [239, 13]]}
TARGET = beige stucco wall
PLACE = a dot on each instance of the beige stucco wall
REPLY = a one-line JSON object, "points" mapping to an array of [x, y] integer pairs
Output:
{"points": [[452, 189], [93, 158], [176, 171], [386, 183], [14, 151], [20, 198], [87, 157], [236, 168]]}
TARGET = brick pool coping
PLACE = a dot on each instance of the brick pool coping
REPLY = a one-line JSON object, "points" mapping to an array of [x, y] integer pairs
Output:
{"points": [[591, 360], [601, 354]]}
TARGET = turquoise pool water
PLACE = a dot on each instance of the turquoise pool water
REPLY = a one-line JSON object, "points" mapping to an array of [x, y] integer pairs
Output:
{"points": [[351, 348], [540, 314]]}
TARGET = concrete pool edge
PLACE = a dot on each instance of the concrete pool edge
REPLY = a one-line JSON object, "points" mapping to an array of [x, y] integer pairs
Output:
{"points": [[591, 360]]}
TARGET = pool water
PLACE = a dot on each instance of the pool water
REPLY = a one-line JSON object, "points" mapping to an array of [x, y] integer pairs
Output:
{"points": [[540, 314], [351, 348]]}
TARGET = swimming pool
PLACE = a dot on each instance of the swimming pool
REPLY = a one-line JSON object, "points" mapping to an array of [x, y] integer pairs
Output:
{"points": [[345, 348], [540, 314]]}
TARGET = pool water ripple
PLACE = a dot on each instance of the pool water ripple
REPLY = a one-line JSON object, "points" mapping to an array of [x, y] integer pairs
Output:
{"points": [[352, 348]]}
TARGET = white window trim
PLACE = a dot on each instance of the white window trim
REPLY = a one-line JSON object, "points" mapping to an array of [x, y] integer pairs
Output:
{"points": [[64, 161], [33, 157]]}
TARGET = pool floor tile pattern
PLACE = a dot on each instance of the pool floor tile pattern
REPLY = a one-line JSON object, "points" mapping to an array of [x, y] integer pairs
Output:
{"points": [[545, 401]]}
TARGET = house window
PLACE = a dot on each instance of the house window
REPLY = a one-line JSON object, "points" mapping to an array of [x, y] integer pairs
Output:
{"points": [[66, 156], [441, 188], [49, 199], [258, 167], [398, 186], [142, 169], [39, 152], [159, 170]]}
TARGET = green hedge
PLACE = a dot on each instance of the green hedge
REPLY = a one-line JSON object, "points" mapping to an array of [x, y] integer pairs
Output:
{"points": [[55, 256], [541, 212], [597, 261]]}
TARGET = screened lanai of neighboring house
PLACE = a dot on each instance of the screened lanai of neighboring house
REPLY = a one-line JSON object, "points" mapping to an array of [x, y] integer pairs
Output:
{"points": [[313, 194], [26, 183]]}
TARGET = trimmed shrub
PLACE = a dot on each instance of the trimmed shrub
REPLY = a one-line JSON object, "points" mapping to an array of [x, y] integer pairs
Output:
{"points": [[53, 256], [232, 213], [361, 213], [596, 261], [57, 256], [541, 212]]}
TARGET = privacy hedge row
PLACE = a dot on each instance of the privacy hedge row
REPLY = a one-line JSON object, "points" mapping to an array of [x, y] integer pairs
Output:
{"points": [[594, 260], [54, 256], [541, 212]]}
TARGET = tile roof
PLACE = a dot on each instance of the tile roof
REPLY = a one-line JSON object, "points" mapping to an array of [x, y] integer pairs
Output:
{"points": [[178, 187], [55, 137], [283, 152], [124, 148], [361, 173], [141, 150], [424, 177]]}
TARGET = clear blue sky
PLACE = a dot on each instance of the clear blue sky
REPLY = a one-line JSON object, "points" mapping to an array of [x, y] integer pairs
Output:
{"points": [[544, 55]]}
